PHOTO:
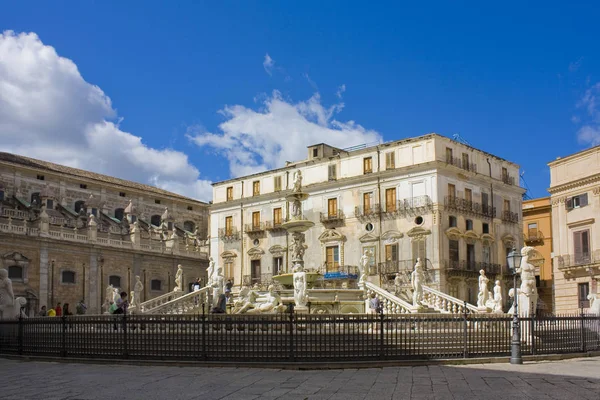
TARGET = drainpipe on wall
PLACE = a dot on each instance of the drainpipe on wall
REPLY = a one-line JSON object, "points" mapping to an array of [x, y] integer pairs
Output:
{"points": [[242, 237], [379, 201], [492, 203], [287, 235]]}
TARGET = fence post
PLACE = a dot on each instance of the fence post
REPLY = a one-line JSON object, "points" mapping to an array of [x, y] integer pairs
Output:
{"points": [[203, 323], [532, 329], [582, 317], [20, 335], [291, 327], [63, 350], [465, 332], [381, 341], [125, 346]]}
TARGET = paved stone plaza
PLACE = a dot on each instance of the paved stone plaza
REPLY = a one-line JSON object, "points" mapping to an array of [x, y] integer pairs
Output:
{"points": [[569, 379]]}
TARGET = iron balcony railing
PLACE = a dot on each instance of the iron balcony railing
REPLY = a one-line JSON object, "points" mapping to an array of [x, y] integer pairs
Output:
{"points": [[229, 234], [394, 266], [336, 216], [533, 236], [255, 227], [509, 216], [469, 207], [365, 212], [509, 180], [460, 163], [273, 225], [578, 259], [414, 205], [472, 267]]}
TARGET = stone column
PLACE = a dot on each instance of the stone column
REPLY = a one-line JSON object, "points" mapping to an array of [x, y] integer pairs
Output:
{"points": [[43, 294]]}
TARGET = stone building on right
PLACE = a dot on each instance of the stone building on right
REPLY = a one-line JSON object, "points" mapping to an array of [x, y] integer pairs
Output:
{"points": [[575, 190]]}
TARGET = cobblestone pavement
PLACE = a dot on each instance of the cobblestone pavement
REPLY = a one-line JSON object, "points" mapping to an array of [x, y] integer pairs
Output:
{"points": [[568, 379]]}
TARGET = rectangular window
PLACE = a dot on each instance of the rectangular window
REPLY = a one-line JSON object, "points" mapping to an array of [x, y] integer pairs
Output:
{"points": [[332, 210], [277, 183], [486, 253], [390, 200], [453, 251], [228, 226], [190, 208], [277, 265], [452, 223], [451, 190], [229, 274], [156, 201], [506, 206], [255, 188], [1, 195], [255, 219], [391, 252], [485, 228], [40, 177], [448, 155], [504, 174], [122, 194], [484, 203], [390, 160], [315, 152], [368, 165], [468, 195], [277, 219], [583, 291], [332, 172], [419, 250], [367, 202], [82, 186], [469, 224], [577, 201], [581, 247], [332, 258], [230, 193], [49, 204], [465, 161], [532, 229], [156, 285], [471, 257], [255, 271]]}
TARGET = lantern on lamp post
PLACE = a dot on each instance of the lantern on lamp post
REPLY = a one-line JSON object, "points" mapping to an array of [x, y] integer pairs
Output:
{"points": [[513, 260]]}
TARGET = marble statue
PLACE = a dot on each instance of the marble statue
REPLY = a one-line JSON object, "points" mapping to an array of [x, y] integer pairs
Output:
{"points": [[109, 295], [7, 297], [246, 301], [364, 265], [398, 283], [270, 305], [594, 304], [511, 295], [298, 246], [210, 271], [116, 295], [482, 296], [298, 182], [296, 209], [299, 278], [416, 280], [137, 290], [497, 297], [527, 293], [217, 284], [132, 299], [179, 279]]}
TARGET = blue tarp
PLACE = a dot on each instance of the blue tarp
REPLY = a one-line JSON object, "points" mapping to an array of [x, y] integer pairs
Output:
{"points": [[339, 275]]}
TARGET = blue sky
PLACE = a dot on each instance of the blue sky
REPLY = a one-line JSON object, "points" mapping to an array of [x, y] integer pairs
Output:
{"points": [[193, 81]]}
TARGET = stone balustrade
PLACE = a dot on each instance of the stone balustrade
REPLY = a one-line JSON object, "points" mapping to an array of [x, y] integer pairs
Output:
{"points": [[147, 306], [183, 304], [445, 303], [391, 304], [12, 213]]}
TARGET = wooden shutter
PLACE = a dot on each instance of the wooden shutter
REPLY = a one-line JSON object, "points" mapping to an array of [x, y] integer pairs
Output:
{"points": [[390, 200], [332, 173], [256, 218], [367, 165], [277, 183], [448, 155], [451, 190], [277, 216], [228, 225], [583, 200], [468, 195], [332, 207], [390, 160], [367, 202]]}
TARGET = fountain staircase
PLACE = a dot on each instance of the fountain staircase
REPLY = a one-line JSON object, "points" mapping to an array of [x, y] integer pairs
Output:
{"points": [[177, 302]]}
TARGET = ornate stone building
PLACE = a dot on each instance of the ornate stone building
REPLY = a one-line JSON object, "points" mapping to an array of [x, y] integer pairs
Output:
{"points": [[575, 196], [66, 234], [456, 207]]}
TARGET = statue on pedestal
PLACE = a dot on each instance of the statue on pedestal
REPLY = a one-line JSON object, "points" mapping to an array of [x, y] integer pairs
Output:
{"points": [[364, 265], [210, 271], [178, 279], [9, 308], [270, 305], [397, 284], [299, 277], [497, 298], [137, 291], [298, 247], [297, 182], [482, 296], [528, 294], [217, 284], [416, 280], [109, 296]]}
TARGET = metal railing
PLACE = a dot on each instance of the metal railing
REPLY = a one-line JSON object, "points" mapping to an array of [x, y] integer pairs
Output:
{"points": [[273, 225], [460, 163], [254, 227], [533, 236], [395, 266], [412, 206], [472, 266], [509, 180], [469, 207], [509, 216], [366, 212], [229, 234], [579, 259], [291, 337], [337, 216]]}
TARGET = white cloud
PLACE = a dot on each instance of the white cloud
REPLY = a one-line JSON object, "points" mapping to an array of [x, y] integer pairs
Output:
{"points": [[589, 133], [257, 140], [48, 111], [340, 91], [268, 64]]}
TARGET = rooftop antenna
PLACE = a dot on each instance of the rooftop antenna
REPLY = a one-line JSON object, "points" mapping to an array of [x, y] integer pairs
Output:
{"points": [[460, 139], [526, 195]]}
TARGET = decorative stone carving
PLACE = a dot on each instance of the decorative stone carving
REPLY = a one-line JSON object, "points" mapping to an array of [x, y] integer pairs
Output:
{"points": [[210, 271], [297, 182], [256, 253], [271, 303], [10, 308], [138, 288], [217, 284], [391, 237], [299, 277], [482, 296], [528, 295], [416, 281], [364, 265], [497, 297], [594, 304], [179, 279], [453, 233]]}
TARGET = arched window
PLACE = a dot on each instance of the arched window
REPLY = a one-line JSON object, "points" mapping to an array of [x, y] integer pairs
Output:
{"points": [[155, 220], [119, 214], [115, 281], [15, 273], [68, 277], [189, 226], [79, 205], [156, 284]]}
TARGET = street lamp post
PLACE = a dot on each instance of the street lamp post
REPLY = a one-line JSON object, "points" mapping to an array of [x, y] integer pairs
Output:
{"points": [[514, 262]]}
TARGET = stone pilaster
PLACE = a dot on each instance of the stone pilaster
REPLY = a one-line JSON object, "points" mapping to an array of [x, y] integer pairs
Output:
{"points": [[43, 295], [92, 284]]}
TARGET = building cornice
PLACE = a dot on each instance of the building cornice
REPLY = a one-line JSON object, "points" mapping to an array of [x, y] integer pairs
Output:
{"points": [[576, 184], [579, 154]]}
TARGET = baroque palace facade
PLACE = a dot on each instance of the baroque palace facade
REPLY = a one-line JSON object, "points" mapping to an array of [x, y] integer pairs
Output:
{"points": [[575, 197], [66, 234], [455, 207]]}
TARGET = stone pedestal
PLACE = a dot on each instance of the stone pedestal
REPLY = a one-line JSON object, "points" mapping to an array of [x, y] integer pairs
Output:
{"points": [[527, 304], [301, 310]]}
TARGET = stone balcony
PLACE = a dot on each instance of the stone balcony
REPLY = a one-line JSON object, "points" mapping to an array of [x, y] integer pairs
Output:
{"points": [[408, 207], [509, 216], [273, 225], [367, 212], [469, 207], [585, 262], [460, 163], [471, 268], [255, 228], [229, 234], [332, 218], [533, 237]]}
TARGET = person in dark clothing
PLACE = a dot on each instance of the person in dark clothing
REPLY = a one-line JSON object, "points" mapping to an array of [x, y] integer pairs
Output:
{"points": [[65, 311]]}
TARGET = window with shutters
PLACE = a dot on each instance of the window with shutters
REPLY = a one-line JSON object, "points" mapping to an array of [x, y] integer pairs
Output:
{"points": [[452, 222], [228, 226], [255, 219], [504, 174], [419, 250], [277, 219], [468, 196], [332, 207], [583, 291], [486, 254], [506, 206], [391, 252], [332, 172], [453, 251], [277, 183], [484, 202], [451, 190], [229, 269], [532, 230], [230, 193], [255, 188], [390, 160], [465, 161], [448, 155], [577, 201], [368, 165], [390, 200], [332, 258], [367, 202], [469, 224], [581, 247]]}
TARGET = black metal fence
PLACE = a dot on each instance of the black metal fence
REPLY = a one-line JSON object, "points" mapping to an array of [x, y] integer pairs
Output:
{"points": [[294, 337]]}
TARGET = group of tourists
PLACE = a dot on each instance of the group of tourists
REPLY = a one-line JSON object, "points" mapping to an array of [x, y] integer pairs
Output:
{"points": [[63, 310]]}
